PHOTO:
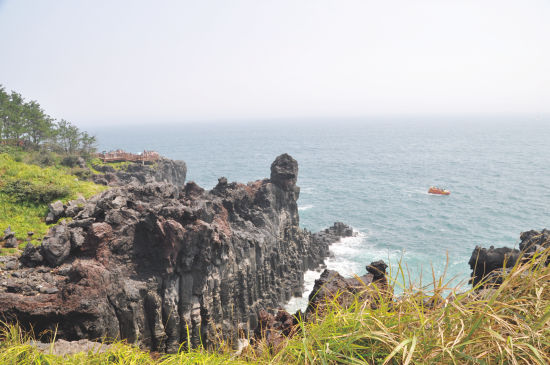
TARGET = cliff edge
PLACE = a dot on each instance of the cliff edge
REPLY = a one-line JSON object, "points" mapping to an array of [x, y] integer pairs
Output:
{"points": [[152, 263]]}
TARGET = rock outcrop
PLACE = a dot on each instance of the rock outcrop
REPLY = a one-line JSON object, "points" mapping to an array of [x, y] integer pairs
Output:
{"points": [[332, 285], [163, 170], [490, 265], [9, 238], [152, 263], [272, 329], [58, 210]]}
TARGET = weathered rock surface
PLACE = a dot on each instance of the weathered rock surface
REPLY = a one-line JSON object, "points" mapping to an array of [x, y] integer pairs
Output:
{"points": [[331, 283], [163, 170], [491, 264], [151, 263], [56, 211], [62, 348], [272, 329], [9, 238]]}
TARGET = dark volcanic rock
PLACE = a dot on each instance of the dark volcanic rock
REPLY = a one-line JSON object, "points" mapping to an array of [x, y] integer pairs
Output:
{"points": [[331, 284], [150, 264], [164, 170], [56, 246], [32, 255], [284, 171], [534, 241], [9, 238], [8, 233], [273, 329], [56, 211], [490, 265]]}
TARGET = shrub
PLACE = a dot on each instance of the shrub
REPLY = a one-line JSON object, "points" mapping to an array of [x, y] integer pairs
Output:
{"points": [[81, 173], [18, 157], [35, 193], [45, 159], [70, 161]]}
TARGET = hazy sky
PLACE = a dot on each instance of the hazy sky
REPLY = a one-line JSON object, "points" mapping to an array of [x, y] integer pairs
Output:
{"points": [[122, 61]]}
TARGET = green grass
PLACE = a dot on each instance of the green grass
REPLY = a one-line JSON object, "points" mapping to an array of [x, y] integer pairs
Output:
{"points": [[508, 325], [122, 165], [116, 165], [504, 326], [26, 190], [15, 348]]}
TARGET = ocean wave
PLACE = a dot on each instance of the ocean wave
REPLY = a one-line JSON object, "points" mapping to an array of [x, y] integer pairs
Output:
{"points": [[305, 207], [300, 303], [344, 251]]}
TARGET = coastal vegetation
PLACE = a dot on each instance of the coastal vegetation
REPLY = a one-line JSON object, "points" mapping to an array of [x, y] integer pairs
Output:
{"points": [[25, 124], [27, 189], [434, 324], [38, 165]]}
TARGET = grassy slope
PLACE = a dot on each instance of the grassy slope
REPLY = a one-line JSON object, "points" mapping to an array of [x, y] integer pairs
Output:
{"points": [[26, 216], [505, 326]]}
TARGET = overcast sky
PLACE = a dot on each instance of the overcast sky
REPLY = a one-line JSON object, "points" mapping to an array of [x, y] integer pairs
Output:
{"points": [[123, 61]]}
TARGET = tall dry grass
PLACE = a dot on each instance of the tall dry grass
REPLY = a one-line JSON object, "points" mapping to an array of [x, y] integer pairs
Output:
{"points": [[436, 324]]}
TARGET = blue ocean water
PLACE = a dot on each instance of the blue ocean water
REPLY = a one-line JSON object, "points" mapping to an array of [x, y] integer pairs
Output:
{"points": [[374, 175]]}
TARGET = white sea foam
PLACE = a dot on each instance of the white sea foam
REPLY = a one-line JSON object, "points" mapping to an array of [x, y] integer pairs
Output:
{"points": [[296, 303], [305, 207], [350, 256], [342, 261]]}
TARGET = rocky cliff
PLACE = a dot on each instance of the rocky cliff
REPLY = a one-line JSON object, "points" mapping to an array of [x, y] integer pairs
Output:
{"points": [[159, 266], [489, 265], [163, 170]]}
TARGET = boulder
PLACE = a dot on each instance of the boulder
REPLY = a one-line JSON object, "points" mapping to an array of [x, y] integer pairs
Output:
{"points": [[31, 255], [333, 286], [56, 211], [56, 246], [11, 242], [74, 207], [8, 233], [9, 238], [273, 329]]}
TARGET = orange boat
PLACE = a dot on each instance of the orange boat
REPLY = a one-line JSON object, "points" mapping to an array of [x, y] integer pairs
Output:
{"points": [[435, 190]]}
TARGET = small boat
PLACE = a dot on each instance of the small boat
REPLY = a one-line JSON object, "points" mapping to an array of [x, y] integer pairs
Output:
{"points": [[439, 191]]}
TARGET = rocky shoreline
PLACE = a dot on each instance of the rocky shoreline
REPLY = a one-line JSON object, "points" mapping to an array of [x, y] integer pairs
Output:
{"points": [[159, 262], [150, 262], [490, 265]]}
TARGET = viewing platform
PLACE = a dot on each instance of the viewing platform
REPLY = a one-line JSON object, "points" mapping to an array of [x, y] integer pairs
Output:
{"points": [[123, 156]]}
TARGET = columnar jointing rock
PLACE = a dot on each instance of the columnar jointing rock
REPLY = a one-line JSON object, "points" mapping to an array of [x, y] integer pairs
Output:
{"points": [[151, 264]]}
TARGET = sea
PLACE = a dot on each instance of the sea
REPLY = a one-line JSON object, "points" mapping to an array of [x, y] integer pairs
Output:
{"points": [[374, 174]]}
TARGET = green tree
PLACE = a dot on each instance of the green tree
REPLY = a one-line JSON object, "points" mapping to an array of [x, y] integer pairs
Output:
{"points": [[22, 121], [14, 124], [4, 100], [67, 136], [87, 143], [38, 124]]}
